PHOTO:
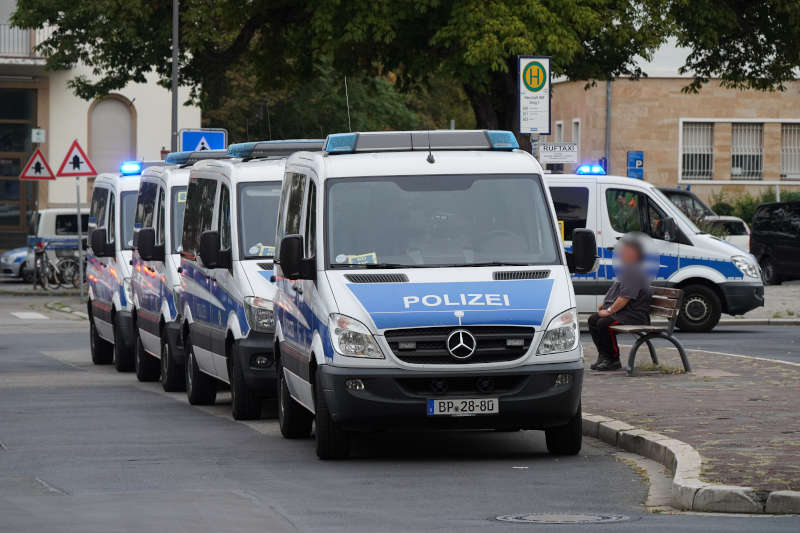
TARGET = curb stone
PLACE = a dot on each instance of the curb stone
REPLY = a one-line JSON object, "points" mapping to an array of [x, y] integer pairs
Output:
{"points": [[56, 306], [688, 491], [730, 322]]}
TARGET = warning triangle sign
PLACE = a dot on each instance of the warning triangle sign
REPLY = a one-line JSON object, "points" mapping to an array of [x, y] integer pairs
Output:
{"points": [[202, 145], [76, 163], [37, 168]]}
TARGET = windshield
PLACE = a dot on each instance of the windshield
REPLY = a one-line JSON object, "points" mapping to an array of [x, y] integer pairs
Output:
{"points": [[258, 214], [462, 220], [176, 224], [128, 214], [675, 212]]}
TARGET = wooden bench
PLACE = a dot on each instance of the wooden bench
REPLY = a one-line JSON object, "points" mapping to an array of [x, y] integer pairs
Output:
{"points": [[665, 303]]}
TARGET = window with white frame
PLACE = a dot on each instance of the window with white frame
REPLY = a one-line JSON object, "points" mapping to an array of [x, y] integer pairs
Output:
{"points": [[790, 151], [747, 150], [559, 132], [576, 135], [698, 150]]}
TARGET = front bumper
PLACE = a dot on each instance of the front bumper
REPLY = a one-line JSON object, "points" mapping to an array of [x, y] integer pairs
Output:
{"points": [[261, 381], [395, 398], [742, 296], [12, 270], [175, 341]]}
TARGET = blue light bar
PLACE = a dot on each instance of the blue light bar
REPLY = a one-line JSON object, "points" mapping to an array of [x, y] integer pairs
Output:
{"points": [[183, 158], [281, 148], [502, 140], [241, 149], [341, 143], [591, 169], [130, 168]]}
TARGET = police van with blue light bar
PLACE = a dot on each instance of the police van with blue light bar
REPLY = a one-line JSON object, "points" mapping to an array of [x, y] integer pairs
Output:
{"points": [[108, 265], [716, 277], [158, 225], [226, 273], [421, 283]]}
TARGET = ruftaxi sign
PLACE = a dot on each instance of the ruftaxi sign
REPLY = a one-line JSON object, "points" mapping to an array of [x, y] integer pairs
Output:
{"points": [[533, 88], [558, 153]]}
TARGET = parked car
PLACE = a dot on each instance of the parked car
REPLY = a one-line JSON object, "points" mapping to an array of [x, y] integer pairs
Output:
{"points": [[688, 202], [731, 229], [775, 241], [13, 264]]}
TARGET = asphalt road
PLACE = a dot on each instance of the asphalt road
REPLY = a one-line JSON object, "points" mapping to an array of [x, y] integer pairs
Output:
{"points": [[771, 342], [83, 448]]}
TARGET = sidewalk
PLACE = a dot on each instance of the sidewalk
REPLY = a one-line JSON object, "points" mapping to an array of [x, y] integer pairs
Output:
{"points": [[740, 414]]}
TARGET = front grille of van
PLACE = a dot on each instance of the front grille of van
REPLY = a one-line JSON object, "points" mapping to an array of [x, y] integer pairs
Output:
{"points": [[428, 346], [377, 278], [520, 274]]}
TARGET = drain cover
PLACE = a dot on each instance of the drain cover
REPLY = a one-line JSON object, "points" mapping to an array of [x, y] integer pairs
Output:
{"points": [[557, 518]]}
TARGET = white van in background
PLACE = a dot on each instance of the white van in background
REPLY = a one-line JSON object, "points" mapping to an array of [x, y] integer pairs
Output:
{"points": [[716, 276]]}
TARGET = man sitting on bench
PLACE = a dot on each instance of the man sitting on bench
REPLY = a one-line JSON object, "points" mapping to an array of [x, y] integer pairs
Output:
{"points": [[626, 302]]}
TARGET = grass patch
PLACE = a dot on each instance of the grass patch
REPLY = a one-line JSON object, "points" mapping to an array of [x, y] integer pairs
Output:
{"points": [[661, 369]]}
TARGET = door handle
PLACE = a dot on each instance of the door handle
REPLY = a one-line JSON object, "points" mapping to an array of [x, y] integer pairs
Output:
{"points": [[298, 289]]}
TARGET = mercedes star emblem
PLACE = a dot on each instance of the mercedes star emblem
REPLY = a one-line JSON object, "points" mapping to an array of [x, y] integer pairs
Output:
{"points": [[461, 344]]}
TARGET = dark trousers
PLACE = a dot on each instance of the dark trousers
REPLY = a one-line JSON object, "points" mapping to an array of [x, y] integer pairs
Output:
{"points": [[603, 337]]}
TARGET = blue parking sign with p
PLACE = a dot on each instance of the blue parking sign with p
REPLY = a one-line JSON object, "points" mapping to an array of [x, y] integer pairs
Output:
{"points": [[203, 139]]}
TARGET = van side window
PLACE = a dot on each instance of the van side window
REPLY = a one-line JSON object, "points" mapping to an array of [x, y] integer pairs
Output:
{"points": [[97, 212], [199, 213], [112, 234], [291, 208], [572, 206], [66, 225], [224, 218], [311, 220], [624, 210], [160, 221], [146, 205], [654, 217]]}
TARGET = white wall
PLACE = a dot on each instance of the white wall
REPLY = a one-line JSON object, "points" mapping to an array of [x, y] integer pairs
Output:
{"points": [[69, 120]]}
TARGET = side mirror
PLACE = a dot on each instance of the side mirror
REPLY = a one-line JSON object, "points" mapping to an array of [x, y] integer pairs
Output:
{"points": [[670, 229], [99, 243], [584, 251], [291, 256], [209, 249], [146, 245]]}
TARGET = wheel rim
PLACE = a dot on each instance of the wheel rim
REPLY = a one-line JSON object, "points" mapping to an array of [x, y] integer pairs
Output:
{"points": [[767, 272], [189, 372], [92, 335], [696, 308], [136, 363], [164, 355]]}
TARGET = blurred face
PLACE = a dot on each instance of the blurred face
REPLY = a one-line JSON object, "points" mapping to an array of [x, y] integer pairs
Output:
{"points": [[628, 254]]}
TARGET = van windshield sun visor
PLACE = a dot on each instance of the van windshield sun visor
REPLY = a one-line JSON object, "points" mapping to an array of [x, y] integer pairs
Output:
{"points": [[404, 141]]}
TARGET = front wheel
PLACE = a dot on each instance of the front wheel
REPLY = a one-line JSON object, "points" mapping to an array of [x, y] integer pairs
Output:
{"points": [[201, 389], [147, 368], [246, 405], [566, 439], [700, 310], [123, 356], [294, 420], [333, 442], [768, 273], [102, 350], [173, 376]]}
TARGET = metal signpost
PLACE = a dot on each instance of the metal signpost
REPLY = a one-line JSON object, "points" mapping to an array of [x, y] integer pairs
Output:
{"points": [[533, 92], [76, 164]]}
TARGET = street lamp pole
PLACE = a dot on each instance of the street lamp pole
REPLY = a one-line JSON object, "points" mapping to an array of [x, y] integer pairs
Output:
{"points": [[175, 75]]}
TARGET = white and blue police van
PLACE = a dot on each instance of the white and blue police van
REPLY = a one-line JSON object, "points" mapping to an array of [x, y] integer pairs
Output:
{"points": [[108, 265], [226, 273], [715, 276], [157, 232], [421, 283]]}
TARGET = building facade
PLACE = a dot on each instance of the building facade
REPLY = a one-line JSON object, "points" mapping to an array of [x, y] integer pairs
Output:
{"points": [[133, 123], [719, 139]]}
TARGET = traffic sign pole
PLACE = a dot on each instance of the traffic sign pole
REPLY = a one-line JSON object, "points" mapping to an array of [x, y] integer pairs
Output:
{"points": [[80, 232]]}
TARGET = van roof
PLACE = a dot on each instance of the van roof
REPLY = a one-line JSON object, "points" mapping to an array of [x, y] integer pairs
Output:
{"points": [[172, 176], [599, 178], [118, 181], [415, 163], [243, 171]]}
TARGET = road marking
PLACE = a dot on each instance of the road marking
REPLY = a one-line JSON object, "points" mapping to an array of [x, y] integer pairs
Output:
{"points": [[767, 359], [29, 315]]}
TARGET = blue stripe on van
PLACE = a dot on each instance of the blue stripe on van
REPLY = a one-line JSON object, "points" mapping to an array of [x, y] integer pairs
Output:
{"points": [[398, 305]]}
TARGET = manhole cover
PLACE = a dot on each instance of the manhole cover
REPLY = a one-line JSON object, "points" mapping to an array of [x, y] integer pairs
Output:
{"points": [[558, 518]]}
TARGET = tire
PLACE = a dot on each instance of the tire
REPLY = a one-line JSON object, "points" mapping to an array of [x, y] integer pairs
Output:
{"points": [[25, 273], [332, 441], [201, 389], [123, 356], [566, 439], [245, 404], [768, 273], [294, 420], [147, 366], [102, 350], [173, 375], [700, 309]]}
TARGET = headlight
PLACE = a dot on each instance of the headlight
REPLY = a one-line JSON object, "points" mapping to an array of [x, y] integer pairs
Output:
{"points": [[748, 268], [259, 314], [352, 338], [561, 334]]}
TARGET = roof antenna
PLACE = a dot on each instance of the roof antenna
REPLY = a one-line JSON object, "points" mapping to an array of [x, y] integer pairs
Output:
{"points": [[430, 159], [347, 99]]}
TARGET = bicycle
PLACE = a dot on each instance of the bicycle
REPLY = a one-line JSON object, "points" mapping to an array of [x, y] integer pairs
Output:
{"points": [[69, 271], [45, 270]]}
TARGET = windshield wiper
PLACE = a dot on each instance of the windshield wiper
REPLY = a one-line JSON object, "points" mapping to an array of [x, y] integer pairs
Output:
{"points": [[490, 264], [377, 265]]}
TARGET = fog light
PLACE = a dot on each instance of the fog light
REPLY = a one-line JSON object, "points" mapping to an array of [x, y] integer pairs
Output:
{"points": [[354, 385], [563, 379], [407, 345], [261, 360], [515, 342]]}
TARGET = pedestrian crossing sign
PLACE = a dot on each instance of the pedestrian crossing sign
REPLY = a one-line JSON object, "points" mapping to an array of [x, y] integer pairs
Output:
{"points": [[196, 140], [76, 163], [37, 168]]}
